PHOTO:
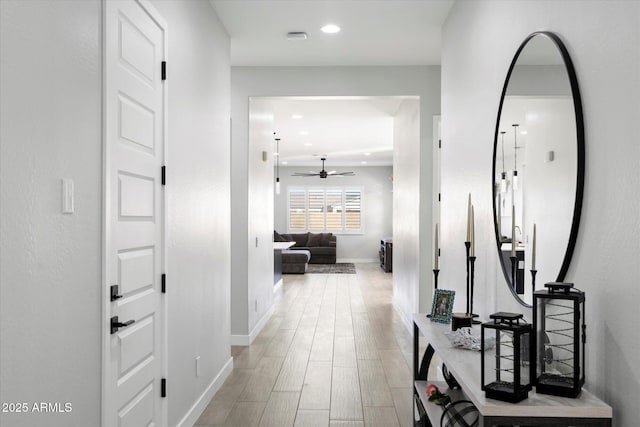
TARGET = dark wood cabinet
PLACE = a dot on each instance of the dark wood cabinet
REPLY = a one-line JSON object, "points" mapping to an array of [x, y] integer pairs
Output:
{"points": [[386, 254]]}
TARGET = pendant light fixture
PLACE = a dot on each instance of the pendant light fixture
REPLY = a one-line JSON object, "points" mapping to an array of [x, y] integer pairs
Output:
{"points": [[503, 176], [277, 166], [515, 156]]}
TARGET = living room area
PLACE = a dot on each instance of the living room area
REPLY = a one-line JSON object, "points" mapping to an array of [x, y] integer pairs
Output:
{"points": [[333, 175]]}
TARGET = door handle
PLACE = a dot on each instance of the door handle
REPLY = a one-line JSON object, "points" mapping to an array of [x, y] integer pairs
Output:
{"points": [[114, 293], [115, 324]]}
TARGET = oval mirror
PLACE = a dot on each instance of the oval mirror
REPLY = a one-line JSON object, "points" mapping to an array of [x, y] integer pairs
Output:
{"points": [[538, 166]]}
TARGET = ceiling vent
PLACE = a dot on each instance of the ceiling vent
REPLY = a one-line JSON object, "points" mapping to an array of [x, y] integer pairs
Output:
{"points": [[296, 35]]}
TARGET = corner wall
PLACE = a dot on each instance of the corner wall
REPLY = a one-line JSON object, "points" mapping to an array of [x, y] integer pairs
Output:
{"points": [[198, 194], [323, 81], [479, 41]]}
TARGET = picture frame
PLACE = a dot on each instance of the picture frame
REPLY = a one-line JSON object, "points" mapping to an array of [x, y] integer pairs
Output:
{"points": [[442, 305]]}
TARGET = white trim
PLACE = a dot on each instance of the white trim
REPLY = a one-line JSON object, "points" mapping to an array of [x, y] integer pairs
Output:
{"points": [[358, 260], [201, 404], [278, 286], [248, 339]]}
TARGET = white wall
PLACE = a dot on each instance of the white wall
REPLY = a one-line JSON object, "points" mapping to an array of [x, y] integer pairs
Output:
{"points": [[602, 37], [50, 263], [407, 201], [50, 268], [377, 208], [320, 81], [198, 187]]}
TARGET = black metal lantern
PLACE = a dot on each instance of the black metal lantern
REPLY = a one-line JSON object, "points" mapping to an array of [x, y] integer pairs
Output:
{"points": [[506, 352], [559, 339]]}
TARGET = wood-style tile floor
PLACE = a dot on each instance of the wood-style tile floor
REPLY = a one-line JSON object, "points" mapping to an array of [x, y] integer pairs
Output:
{"points": [[334, 353]]}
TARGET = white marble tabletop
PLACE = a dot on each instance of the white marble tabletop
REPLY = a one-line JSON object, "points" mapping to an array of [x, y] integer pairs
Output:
{"points": [[282, 245]]}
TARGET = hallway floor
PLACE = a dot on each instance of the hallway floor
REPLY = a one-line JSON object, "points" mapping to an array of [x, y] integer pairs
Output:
{"points": [[334, 353]]}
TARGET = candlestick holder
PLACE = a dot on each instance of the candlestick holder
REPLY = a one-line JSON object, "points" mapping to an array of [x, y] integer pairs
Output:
{"points": [[435, 281], [533, 280], [472, 262], [514, 267], [467, 245]]}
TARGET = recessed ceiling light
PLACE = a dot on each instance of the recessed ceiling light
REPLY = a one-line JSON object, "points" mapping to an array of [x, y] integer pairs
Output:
{"points": [[523, 132], [276, 154], [304, 132], [285, 162], [330, 29], [296, 116], [367, 154], [308, 144], [364, 163]]}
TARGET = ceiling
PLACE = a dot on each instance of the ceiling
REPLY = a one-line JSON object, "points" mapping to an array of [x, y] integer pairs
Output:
{"points": [[374, 32], [348, 130]]}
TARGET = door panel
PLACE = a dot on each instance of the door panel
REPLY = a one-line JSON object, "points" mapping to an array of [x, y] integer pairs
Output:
{"points": [[134, 127]]}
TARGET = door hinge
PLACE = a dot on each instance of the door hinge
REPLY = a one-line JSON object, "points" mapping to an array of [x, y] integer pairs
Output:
{"points": [[163, 387], [439, 197], [163, 281], [164, 175], [164, 70], [439, 143]]}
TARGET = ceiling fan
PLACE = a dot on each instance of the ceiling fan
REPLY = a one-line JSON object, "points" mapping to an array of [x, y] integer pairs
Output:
{"points": [[323, 173]]}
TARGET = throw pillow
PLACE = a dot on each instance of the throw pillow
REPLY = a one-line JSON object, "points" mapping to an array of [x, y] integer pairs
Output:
{"points": [[277, 237], [287, 238], [315, 240], [326, 239]]}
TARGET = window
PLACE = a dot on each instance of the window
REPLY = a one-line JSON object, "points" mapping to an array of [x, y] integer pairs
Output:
{"points": [[325, 209]]}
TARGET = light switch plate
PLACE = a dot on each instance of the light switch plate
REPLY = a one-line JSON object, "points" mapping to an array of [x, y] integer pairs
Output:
{"points": [[67, 196]]}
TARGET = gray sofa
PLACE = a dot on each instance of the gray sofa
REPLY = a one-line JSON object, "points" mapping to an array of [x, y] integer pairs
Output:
{"points": [[320, 247]]}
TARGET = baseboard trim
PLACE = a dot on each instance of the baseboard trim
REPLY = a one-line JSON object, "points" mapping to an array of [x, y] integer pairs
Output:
{"points": [[248, 339], [201, 404], [278, 286], [357, 260]]}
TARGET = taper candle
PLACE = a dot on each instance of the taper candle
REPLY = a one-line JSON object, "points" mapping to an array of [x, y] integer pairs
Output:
{"points": [[469, 218], [473, 233], [513, 230], [533, 251], [435, 251]]}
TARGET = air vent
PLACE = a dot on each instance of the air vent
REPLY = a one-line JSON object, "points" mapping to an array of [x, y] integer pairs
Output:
{"points": [[296, 35]]}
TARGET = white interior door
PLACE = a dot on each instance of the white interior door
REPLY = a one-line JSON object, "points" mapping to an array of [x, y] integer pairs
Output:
{"points": [[135, 38]]}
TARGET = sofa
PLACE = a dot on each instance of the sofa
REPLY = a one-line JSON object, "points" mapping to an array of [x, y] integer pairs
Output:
{"points": [[318, 248]]}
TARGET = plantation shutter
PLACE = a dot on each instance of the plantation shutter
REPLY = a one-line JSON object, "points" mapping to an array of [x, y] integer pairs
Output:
{"points": [[335, 210], [297, 210], [316, 209], [353, 210]]}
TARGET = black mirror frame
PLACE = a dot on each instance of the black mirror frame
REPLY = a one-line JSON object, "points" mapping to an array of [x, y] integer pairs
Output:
{"points": [[577, 207]]}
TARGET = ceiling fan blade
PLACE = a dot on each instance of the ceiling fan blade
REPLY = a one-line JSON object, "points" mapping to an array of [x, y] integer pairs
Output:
{"points": [[331, 173], [344, 174], [304, 174]]}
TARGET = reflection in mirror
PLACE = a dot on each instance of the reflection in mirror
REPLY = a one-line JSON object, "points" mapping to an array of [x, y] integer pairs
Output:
{"points": [[538, 172]]}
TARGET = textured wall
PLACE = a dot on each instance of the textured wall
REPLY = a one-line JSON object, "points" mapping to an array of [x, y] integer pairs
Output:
{"points": [[602, 37], [198, 222], [50, 263]]}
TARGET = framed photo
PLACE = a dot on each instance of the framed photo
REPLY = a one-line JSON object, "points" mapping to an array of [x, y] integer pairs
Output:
{"points": [[442, 305]]}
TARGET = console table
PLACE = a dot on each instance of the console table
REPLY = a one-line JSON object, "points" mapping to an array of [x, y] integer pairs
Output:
{"points": [[464, 365]]}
